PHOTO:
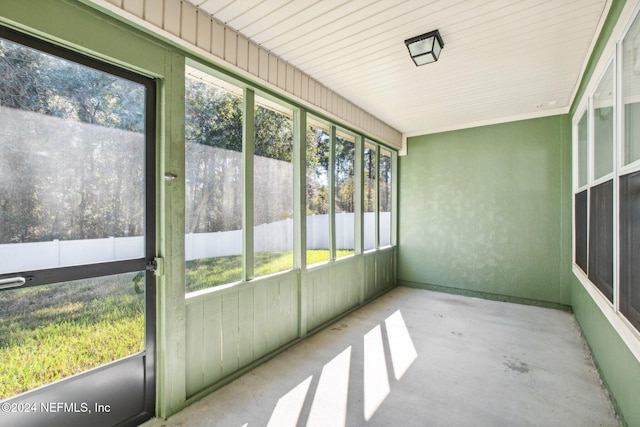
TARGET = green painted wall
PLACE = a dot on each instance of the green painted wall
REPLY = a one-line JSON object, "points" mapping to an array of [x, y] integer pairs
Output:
{"points": [[480, 210], [618, 366]]}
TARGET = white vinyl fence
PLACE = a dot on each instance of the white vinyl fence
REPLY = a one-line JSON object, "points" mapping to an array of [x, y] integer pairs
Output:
{"points": [[276, 236]]}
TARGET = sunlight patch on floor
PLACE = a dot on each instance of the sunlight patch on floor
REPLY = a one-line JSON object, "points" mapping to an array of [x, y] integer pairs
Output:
{"points": [[329, 406], [376, 378], [289, 406], [403, 352]]}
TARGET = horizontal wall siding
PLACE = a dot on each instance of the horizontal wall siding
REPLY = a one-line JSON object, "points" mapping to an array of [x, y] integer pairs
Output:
{"points": [[205, 34], [229, 329]]}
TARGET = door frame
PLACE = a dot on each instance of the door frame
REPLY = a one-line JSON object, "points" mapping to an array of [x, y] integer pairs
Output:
{"points": [[73, 390]]}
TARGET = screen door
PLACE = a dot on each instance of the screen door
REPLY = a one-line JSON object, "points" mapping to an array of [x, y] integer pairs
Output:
{"points": [[76, 239]]}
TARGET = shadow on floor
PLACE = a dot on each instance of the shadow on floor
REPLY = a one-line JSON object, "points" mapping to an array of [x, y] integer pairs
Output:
{"points": [[420, 358]]}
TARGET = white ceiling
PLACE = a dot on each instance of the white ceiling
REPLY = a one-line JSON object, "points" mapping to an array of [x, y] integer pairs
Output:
{"points": [[502, 59]]}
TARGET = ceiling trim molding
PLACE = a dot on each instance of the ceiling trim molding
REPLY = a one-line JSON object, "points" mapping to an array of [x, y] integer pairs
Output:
{"points": [[515, 118]]}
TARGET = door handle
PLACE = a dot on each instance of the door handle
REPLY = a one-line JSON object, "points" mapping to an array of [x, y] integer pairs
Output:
{"points": [[12, 282]]}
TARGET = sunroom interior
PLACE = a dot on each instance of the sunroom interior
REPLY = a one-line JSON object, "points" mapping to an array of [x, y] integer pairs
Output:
{"points": [[211, 192]]}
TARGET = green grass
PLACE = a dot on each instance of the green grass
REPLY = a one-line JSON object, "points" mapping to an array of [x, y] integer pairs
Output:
{"points": [[210, 272], [54, 331]]}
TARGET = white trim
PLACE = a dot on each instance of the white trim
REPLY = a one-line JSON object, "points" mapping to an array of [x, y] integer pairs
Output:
{"points": [[622, 326], [575, 141], [500, 120], [621, 27], [630, 168], [594, 40]]}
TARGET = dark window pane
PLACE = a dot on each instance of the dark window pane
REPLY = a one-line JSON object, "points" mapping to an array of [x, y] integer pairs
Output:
{"points": [[630, 247], [601, 238], [581, 229]]}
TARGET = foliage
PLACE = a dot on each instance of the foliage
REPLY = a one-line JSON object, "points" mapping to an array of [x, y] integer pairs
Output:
{"points": [[80, 177]]}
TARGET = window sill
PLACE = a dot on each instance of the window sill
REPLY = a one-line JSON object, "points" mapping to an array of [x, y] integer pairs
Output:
{"points": [[629, 335]]}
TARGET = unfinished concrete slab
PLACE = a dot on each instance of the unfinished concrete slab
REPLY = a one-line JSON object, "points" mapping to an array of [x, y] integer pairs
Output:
{"points": [[421, 358]]}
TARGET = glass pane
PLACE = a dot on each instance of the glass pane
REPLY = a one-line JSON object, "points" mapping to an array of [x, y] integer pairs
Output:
{"points": [[580, 215], [369, 196], [273, 188], [213, 198], [631, 93], [318, 150], [583, 149], [345, 193], [601, 238], [603, 125], [630, 247], [54, 331], [385, 197], [72, 150]]}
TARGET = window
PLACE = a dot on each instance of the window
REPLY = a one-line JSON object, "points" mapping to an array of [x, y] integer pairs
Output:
{"points": [[630, 247], [631, 94], [603, 119], [345, 193], [213, 181], [581, 228], [629, 180], [273, 188], [607, 183], [221, 169], [593, 201], [318, 174], [600, 266], [370, 180], [385, 197], [583, 149]]}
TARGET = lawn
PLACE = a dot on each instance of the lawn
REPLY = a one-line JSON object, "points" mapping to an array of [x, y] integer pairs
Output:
{"points": [[54, 331]]}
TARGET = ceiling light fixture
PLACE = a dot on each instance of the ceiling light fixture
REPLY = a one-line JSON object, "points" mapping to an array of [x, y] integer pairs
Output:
{"points": [[425, 49]]}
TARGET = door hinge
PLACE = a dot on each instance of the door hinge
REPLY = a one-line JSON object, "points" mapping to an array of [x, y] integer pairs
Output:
{"points": [[156, 266]]}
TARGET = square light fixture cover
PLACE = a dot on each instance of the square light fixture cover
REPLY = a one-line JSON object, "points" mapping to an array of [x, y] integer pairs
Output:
{"points": [[426, 48]]}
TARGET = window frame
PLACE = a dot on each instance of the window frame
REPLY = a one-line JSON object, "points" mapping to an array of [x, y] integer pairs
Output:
{"points": [[302, 117], [612, 57]]}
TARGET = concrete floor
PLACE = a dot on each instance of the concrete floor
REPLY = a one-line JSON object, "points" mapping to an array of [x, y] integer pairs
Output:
{"points": [[420, 358]]}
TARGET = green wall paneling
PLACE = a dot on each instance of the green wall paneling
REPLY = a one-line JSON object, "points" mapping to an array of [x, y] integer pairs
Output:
{"points": [[231, 328], [479, 209], [333, 289], [617, 364], [379, 272]]}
